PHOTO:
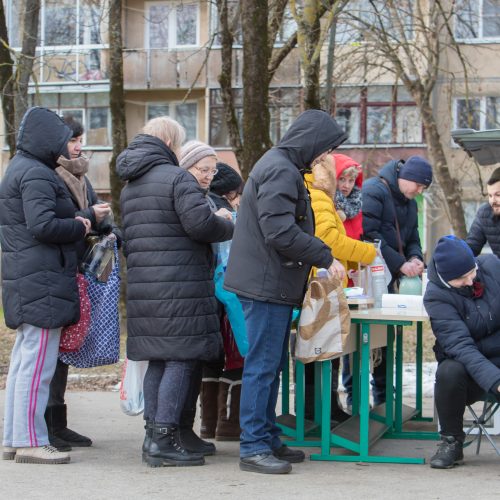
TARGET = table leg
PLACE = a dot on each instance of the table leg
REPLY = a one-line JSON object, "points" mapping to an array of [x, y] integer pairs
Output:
{"points": [[419, 360], [317, 391], [389, 387], [299, 401], [364, 403], [285, 387], [326, 389], [356, 373], [398, 417]]}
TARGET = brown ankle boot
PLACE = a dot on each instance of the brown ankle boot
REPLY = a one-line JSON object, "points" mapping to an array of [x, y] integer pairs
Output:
{"points": [[228, 423], [208, 398]]}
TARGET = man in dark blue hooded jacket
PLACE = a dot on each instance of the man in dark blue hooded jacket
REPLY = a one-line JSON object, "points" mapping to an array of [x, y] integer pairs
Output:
{"points": [[390, 215], [462, 299], [271, 256]]}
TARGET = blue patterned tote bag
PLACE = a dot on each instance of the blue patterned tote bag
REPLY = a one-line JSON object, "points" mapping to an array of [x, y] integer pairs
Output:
{"points": [[102, 344]]}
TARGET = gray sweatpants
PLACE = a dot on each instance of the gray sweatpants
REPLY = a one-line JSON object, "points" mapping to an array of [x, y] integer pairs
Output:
{"points": [[32, 364]]}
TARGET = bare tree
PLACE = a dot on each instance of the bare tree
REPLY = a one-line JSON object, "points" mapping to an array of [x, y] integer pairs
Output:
{"points": [[6, 78], [15, 84], [25, 60], [407, 40], [116, 101], [310, 40]]}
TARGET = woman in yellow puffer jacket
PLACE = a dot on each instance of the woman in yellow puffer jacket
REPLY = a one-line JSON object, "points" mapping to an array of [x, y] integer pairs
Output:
{"points": [[322, 184]]}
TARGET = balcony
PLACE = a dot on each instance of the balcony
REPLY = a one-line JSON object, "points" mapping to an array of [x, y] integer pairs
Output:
{"points": [[163, 69]]}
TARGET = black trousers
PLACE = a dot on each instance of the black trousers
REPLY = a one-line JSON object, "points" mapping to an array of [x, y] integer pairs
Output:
{"points": [[58, 384], [453, 390]]}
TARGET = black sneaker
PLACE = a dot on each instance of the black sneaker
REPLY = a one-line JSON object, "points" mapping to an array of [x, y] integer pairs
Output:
{"points": [[450, 453], [289, 455], [265, 463]]}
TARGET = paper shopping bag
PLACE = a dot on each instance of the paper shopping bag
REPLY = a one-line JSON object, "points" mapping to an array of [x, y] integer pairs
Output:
{"points": [[324, 321]]}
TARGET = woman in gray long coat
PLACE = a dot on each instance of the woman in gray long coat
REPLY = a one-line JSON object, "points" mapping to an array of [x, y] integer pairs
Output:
{"points": [[171, 308]]}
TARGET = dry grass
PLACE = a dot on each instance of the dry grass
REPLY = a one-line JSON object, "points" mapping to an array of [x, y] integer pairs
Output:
{"points": [[105, 377], [80, 379]]}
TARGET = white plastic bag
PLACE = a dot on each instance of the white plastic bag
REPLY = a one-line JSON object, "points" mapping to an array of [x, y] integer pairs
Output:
{"points": [[131, 387]]}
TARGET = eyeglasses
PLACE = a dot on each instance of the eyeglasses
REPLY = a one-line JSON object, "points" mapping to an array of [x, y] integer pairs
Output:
{"points": [[207, 171]]}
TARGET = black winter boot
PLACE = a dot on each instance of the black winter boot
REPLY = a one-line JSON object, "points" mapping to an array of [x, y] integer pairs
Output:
{"points": [[450, 453], [208, 400], [189, 440], [165, 449], [228, 402], [148, 425], [60, 436]]}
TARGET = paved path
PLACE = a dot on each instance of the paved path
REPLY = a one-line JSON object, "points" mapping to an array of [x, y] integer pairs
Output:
{"points": [[112, 469]]}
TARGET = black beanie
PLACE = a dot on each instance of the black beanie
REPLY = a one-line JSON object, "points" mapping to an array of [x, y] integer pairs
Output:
{"points": [[416, 169], [453, 258], [495, 177], [225, 180]]}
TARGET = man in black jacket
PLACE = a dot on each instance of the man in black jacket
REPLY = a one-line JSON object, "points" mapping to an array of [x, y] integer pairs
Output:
{"points": [[390, 215], [486, 225], [271, 256]]}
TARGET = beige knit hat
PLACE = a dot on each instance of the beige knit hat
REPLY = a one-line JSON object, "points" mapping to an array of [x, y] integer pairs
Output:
{"points": [[194, 151]]}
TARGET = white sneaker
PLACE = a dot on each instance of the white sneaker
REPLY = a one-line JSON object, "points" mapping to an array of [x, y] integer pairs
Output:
{"points": [[8, 453], [41, 455]]}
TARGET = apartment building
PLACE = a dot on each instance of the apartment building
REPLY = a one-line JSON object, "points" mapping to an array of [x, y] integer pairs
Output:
{"points": [[169, 69]]}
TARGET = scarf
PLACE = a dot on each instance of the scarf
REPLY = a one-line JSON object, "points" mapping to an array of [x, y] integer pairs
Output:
{"points": [[350, 205], [72, 172]]}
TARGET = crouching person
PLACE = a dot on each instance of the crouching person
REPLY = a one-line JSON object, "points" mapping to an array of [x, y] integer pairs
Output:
{"points": [[462, 300]]}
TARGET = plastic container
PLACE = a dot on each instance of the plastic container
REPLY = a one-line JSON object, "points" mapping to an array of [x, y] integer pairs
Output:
{"points": [[410, 286], [377, 274]]}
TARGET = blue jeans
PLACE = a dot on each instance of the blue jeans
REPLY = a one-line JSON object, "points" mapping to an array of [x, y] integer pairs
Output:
{"points": [[268, 330]]}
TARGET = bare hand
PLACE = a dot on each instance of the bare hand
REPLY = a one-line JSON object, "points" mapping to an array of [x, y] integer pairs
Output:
{"points": [[418, 263], [85, 222], [100, 211], [337, 270], [410, 269], [224, 213]]}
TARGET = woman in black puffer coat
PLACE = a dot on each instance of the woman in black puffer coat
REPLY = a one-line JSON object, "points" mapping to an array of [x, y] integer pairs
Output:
{"points": [[463, 303], [172, 316]]}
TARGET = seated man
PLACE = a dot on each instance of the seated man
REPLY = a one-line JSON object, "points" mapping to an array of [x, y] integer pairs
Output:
{"points": [[463, 302]]}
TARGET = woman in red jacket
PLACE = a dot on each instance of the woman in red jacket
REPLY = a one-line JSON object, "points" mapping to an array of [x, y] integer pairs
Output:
{"points": [[348, 205]]}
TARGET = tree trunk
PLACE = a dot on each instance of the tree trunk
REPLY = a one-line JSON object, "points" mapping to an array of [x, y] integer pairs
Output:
{"points": [[256, 54], [225, 79], [6, 76], [26, 59], [449, 185], [311, 31], [116, 102]]}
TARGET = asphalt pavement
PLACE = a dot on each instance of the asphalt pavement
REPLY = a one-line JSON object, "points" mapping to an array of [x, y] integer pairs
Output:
{"points": [[112, 468]]}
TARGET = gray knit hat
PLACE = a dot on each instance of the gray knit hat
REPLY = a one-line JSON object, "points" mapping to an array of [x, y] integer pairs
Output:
{"points": [[194, 151]]}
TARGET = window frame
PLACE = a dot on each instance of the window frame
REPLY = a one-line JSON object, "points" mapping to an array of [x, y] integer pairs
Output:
{"points": [[172, 24], [172, 111], [480, 38], [483, 112]]}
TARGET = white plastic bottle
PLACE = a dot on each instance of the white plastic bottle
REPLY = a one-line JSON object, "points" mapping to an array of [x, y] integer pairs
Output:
{"points": [[377, 274]]}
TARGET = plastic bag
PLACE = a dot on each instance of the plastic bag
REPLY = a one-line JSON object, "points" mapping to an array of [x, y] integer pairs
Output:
{"points": [[131, 387]]}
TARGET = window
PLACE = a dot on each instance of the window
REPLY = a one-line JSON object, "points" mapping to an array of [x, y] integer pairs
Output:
{"points": [[90, 109], [72, 43], [171, 25], [478, 113], [185, 113], [286, 30], [283, 108], [477, 19], [365, 15], [379, 114]]}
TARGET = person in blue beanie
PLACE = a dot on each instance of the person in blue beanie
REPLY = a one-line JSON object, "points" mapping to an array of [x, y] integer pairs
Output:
{"points": [[390, 215], [463, 302]]}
